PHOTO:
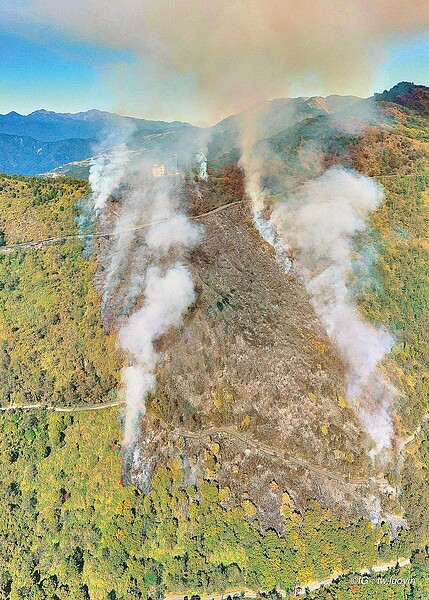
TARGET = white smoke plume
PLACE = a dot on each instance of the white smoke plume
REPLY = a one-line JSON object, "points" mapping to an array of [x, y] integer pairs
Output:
{"points": [[134, 208], [138, 383], [151, 235], [319, 221], [166, 299], [202, 163], [176, 230], [105, 174]]}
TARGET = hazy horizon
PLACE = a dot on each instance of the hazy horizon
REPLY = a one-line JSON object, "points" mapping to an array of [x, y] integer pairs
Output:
{"points": [[172, 120], [201, 62]]}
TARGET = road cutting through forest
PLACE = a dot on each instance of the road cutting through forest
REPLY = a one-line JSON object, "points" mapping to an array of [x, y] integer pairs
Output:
{"points": [[273, 452], [108, 234], [301, 589]]}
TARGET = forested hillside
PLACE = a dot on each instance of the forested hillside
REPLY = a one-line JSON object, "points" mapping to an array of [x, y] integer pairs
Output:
{"points": [[53, 347], [70, 529]]}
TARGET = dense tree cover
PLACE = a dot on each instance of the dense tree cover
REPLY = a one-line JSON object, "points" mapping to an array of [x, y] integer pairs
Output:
{"points": [[398, 293], [69, 529], [52, 346], [60, 493], [34, 208]]}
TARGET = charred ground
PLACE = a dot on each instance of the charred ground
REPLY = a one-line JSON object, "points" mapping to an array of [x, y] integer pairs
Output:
{"points": [[252, 371], [250, 389]]}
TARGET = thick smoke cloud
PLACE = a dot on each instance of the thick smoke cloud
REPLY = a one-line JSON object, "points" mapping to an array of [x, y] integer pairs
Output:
{"points": [[172, 231], [319, 222], [203, 60]]}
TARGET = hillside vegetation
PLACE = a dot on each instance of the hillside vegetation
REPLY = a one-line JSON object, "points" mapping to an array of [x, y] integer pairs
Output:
{"points": [[53, 349], [69, 529]]}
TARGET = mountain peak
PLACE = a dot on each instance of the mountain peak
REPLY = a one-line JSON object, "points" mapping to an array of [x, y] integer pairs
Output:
{"points": [[42, 111], [13, 114], [407, 94]]}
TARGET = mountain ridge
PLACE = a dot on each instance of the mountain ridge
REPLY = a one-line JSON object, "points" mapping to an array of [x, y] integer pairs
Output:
{"points": [[49, 126], [26, 155], [407, 94], [98, 130]]}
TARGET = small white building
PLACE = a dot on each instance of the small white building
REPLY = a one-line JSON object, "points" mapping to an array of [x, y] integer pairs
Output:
{"points": [[158, 170]]}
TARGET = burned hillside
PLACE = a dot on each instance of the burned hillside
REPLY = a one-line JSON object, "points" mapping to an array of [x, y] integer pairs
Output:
{"points": [[250, 389]]}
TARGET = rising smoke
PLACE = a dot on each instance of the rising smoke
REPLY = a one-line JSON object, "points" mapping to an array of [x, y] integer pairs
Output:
{"points": [[316, 224], [220, 57], [202, 164], [201, 61], [167, 296], [150, 237], [106, 172], [319, 222], [168, 291]]}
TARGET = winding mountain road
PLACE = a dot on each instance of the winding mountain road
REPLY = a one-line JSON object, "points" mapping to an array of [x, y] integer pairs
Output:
{"points": [[34, 244]]}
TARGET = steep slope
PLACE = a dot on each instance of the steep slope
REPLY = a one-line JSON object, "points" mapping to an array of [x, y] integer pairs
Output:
{"points": [[71, 530], [268, 119], [257, 375], [252, 367]]}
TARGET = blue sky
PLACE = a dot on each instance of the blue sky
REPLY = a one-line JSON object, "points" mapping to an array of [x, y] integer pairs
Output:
{"points": [[40, 68], [406, 59], [55, 75]]}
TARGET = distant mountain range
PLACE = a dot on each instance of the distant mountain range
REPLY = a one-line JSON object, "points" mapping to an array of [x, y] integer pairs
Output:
{"points": [[45, 141], [48, 126], [25, 155]]}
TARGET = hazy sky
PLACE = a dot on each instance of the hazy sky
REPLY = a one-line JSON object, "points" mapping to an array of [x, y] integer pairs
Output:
{"points": [[200, 60]]}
